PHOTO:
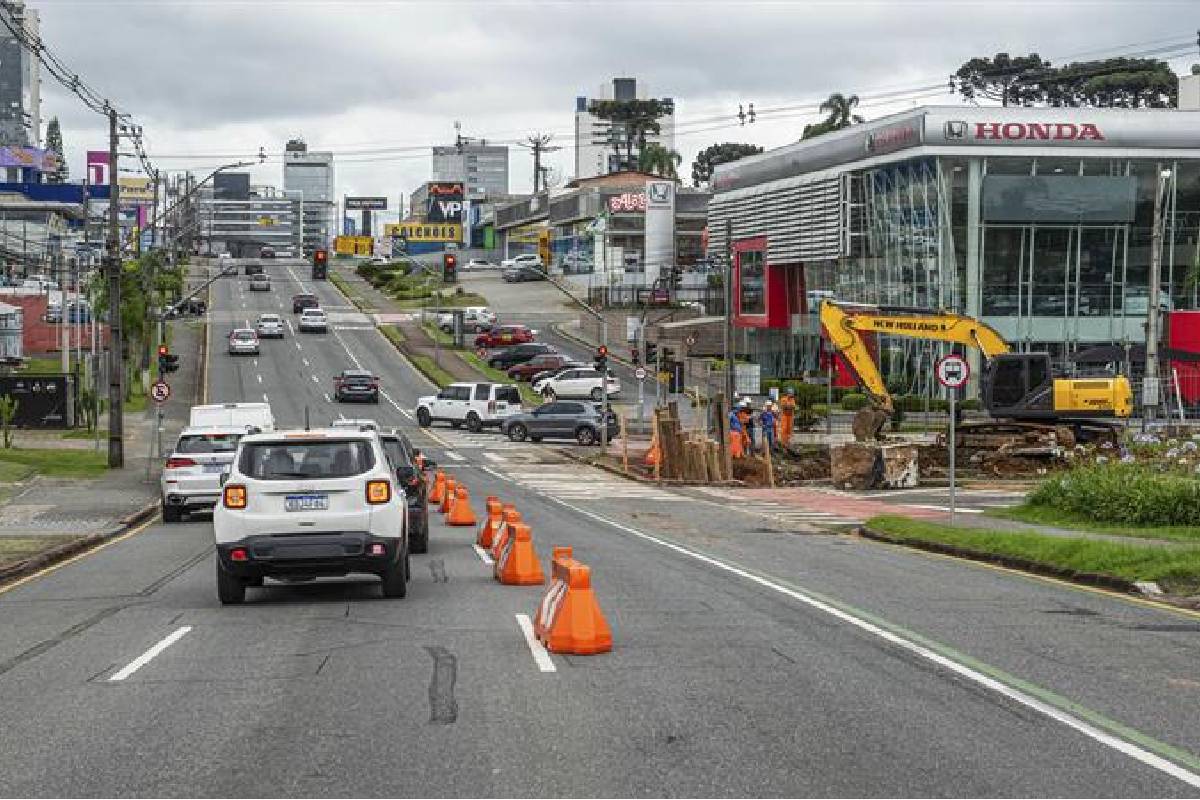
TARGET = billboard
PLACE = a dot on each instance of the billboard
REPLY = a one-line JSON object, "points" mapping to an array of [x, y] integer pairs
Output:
{"points": [[231, 186], [424, 231], [136, 190], [445, 203], [353, 245], [36, 158], [368, 203], [660, 229], [97, 167]]}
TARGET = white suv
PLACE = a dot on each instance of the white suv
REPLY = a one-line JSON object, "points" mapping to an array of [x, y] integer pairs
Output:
{"points": [[523, 260], [476, 405], [269, 325], [313, 319], [578, 382], [300, 504], [191, 478]]}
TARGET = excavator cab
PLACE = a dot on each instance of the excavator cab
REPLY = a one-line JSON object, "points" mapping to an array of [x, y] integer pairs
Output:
{"points": [[1019, 386]]}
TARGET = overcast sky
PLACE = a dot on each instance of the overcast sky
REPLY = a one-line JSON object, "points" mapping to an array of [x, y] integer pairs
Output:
{"points": [[380, 82]]}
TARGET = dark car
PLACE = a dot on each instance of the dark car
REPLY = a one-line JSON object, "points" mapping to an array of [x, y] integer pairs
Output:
{"points": [[410, 466], [255, 269], [504, 335], [547, 361], [517, 354], [303, 301], [356, 384], [561, 419], [521, 273]]}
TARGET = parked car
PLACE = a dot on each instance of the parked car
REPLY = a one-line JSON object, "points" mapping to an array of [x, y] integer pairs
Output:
{"points": [[303, 301], [296, 507], [410, 467], [260, 283], [579, 382], [266, 252], [522, 273], [255, 269], [517, 354], [475, 318], [313, 320], [504, 335], [546, 361], [525, 259], [479, 263], [476, 405], [269, 326], [243, 341], [191, 477], [355, 384], [562, 419], [550, 373]]}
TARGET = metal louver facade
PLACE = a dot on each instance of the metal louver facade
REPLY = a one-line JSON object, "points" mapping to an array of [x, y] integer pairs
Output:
{"points": [[803, 219]]}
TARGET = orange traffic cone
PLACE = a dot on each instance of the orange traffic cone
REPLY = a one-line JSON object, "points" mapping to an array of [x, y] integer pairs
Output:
{"points": [[439, 488], [569, 619], [508, 516], [487, 531], [518, 564], [461, 513], [448, 500]]}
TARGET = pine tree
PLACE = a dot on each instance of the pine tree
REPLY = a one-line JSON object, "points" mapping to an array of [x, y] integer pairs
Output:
{"points": [[55, 145]]}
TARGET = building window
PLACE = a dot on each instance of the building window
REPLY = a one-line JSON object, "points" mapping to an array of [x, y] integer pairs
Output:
{"points": [[751, 282]]}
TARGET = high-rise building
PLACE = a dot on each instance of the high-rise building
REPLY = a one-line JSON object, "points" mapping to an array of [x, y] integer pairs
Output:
{"points": [[308, 178], [243, 223], [20, 80], [597, 140], [483, 168]]}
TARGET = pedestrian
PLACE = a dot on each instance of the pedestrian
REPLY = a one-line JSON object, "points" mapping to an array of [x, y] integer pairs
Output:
{"points": [[746, 417], [736, 432], [768, 420], [787, 417]]}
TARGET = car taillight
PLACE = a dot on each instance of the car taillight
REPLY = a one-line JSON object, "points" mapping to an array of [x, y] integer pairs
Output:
{"points": [[378, 492], [239, 554], [234, 496], [176, 463]]}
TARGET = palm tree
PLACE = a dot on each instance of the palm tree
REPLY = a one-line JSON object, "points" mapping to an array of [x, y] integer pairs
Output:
{"points": [[840, 109], [656, 159]]}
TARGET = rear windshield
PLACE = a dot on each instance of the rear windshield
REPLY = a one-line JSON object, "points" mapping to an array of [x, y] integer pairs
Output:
{"points": [[243, 334], [268, 318], [359, 379], [397, 452], [323, 459], [208, 443]]}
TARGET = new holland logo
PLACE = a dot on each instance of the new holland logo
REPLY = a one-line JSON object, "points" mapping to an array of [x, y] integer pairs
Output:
{"points": [[955, 129]]}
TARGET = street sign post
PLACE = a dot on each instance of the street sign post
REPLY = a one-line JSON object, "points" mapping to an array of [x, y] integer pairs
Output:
{"points": [[952, 372], [160, 391]]}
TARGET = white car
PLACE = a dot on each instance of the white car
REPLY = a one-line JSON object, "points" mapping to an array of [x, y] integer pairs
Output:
{"points": [[479, 263], [191, 477], [243, 341], [313, 319], [523, 260], [475, 318], [302, 504], [476, 405], [577, 382], [246, 417], [269, 326]]}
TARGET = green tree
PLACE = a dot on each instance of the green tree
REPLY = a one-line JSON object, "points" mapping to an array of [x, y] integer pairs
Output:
{"points": [[631, 121], [709, 157], [840, 110], [54, 144], [8, 412], [1114, 83], [659, 160], [1011, 81]]}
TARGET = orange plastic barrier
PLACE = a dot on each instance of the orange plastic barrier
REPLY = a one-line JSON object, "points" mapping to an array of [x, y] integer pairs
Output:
{"points": [[569, 619], [491, 523], [508, 516], [518, 564], [448, 500], [439, 488], [461, 514]]}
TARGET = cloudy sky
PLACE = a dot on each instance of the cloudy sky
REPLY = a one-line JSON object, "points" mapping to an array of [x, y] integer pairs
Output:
{"points": [[380, 82]]}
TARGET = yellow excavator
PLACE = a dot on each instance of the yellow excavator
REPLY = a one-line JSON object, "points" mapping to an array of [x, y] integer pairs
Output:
{"points": [[1027, 403]]}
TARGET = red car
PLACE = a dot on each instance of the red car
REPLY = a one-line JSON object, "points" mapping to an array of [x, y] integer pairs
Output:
{"points": [[504, 335], [547, 361]]}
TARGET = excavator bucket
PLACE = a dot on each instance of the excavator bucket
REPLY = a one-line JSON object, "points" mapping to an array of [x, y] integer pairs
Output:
{"points": [[869, 423]]}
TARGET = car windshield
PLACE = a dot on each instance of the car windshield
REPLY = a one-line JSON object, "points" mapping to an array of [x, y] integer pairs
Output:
{"points": [[311, 459], [207, 443], [243, 335], [268, 318]]}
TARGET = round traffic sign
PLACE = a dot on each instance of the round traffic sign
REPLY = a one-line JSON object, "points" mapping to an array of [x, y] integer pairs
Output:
{"points": [[953, 371], [691, 340], [160, 391], [640, 373]]}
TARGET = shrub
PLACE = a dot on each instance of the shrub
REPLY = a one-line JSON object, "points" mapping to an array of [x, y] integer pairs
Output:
{"points": [[819, 409], [853, 401], [970, 404], [1123, 493]]}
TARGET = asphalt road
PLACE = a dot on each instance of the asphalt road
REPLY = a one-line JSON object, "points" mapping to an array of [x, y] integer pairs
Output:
{"points": [[751, 657]]}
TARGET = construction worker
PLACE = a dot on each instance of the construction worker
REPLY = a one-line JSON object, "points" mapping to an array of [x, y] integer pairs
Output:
{"points": [[768, 419], [736, 432], [746, 417], [787, 417]]}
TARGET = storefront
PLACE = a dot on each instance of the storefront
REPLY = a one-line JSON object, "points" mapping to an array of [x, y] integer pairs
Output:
{"points": [[1037, 220]]}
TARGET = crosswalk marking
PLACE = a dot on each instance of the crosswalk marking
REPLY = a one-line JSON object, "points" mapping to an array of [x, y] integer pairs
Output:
{"points": [[568, 482]]}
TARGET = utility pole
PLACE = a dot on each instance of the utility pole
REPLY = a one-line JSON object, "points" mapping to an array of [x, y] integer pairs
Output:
{"points": [[1151, 394], [116, 364], [539, 143], [727, 328]]}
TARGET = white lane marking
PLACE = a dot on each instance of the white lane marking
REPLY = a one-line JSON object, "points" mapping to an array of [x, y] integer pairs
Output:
{"points": [[327, 398], [540, 656], [297, 345], [265, 398], [455, 456], [1029, 701], [397, 406], [305, 360], [342, 342], [289, 324], [494, 457], [146, 657], [259, 378], [256, 362], [484, 556], [958, 509], [495, 474], [315, 379]]}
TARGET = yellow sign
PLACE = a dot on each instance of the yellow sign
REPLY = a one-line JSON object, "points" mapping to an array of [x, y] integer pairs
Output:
{"points": [[353, 245], [266, 220], [544, 247], [135, 190], [527, 234], [425, 231]]}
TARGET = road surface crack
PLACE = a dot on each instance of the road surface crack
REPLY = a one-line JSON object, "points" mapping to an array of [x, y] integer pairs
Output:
{"points": [[443, 708]]}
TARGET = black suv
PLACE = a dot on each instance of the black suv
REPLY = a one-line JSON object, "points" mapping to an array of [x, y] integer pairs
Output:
{"points": [[303, 301], [411, 475], [561, 419], [355, 384], [518, 354]]}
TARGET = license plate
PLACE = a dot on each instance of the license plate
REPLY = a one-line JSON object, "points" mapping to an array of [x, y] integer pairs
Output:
{"points": [[306, 502], [214, 467]]}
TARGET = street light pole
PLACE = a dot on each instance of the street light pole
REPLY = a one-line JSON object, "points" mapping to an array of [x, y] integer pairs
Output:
{"points": [[116, 398], [1151, 395]]}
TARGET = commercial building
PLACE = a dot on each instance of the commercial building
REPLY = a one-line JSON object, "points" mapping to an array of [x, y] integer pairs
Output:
{"points": [[308, 177], [481, 168], [20, 80], [597, 141], [243, 223], [1037, 220]]}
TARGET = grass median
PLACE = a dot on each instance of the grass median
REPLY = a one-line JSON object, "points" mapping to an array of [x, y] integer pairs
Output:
{"points": [[431, 370], [1055, 517], [528, 396], [1175, 569], [15, 549], [55, 463]]}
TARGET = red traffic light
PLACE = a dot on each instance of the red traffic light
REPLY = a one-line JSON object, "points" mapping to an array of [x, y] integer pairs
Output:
{"points": [[451, 260], [319, 255], [602, 351], [163, 350]]}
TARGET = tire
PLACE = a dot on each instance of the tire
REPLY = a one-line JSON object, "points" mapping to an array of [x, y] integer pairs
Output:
{"points": [[171, 514], [535, 438], [231, 590], [423, 418], [549, 394], [597, 394], [585, 436], [474, 423], [517, 432], [337, 397], [419, 540], [256, 582], [456, 424], [395, 580], [375, 399]]}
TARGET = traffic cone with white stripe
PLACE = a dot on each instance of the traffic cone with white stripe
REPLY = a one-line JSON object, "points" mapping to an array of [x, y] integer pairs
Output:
{"points": [[439, 488], [461, 514], [569, 619], [508, 516], [487, 531], [448, 500], [518, 564]]}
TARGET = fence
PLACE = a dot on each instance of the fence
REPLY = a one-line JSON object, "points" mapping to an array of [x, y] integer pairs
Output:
{"points": [[711, 300]]}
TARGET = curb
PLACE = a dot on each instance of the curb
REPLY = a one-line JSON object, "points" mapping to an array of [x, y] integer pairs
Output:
{"points": [[52, 556], [638, 478], [1021, 564]]}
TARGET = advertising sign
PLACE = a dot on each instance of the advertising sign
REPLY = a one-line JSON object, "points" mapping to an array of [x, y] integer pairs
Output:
{"points": [[627, 202], [97, 167], [136, 190], [660, 228], [353, 245], [41, 160], [424, 231], [42, 401], [369, 203], [445, 203]]}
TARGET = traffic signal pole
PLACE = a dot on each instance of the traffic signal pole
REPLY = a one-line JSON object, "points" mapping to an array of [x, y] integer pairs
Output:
{"points": [[116, 364]]}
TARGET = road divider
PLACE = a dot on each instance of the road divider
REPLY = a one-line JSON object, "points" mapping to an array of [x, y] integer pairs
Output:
{"points": [[508, 516], [518, 563], [448, 498], [569, 619], [461, 514], [438, 493], [493, 520]]}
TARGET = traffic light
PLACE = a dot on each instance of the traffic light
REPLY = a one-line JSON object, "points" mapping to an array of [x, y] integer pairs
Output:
{"points": [[164, 360], [651, 352], [635, 356], [320, 266], [449, 268], [602, 359]]}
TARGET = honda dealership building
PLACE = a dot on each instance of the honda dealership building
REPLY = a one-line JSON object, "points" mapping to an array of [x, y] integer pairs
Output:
{"points": [[1037, 220]]}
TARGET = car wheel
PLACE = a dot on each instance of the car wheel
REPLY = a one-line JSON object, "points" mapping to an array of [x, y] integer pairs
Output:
{"points": [[517, 432], [419, 539], [395, 579], [535, 438], [474, 423], [423, 418], [597, 394], [171, 513], [585, 436], [231, 590], [456, 424], [375, 399], [549, 394]]}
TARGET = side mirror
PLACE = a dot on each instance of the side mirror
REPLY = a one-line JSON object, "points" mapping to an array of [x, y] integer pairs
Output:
{"points": [[409, 478]]}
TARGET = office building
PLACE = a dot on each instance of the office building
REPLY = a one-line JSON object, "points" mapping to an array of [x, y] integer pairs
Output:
{"points": [[20, 80], [597, 140], [482, 168], [308, 178], [242, 225]]}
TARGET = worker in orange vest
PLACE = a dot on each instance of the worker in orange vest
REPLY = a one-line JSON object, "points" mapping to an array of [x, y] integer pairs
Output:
{"points": [[787, 417], [745, 416]]}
